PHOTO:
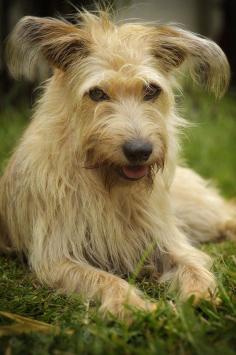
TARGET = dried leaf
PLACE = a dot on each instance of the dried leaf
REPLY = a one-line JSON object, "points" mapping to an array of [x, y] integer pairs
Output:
{"points": [[27, 325]]}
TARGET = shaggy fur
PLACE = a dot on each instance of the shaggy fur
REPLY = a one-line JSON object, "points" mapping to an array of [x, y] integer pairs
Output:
{"points": [[63, 201]]}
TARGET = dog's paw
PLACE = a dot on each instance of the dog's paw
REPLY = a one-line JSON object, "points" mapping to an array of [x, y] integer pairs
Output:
{"points": [[229, 230], [198, 296], [199, 284], [125, 309]]}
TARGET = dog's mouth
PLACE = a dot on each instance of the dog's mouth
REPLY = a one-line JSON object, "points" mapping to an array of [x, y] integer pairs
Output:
{"points": [[136, 172]]}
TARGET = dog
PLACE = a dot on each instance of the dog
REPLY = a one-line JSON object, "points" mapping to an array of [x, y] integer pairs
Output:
{"points": [[94, 191]]}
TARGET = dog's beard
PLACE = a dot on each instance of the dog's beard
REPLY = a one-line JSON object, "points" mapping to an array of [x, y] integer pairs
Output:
{"points": [[111, 173]]}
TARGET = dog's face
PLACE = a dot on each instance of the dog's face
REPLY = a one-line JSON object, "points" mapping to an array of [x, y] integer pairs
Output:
{"points": [[120, 79], [126, 103]]}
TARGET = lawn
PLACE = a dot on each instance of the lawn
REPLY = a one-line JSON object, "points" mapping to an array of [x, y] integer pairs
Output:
{"points": [[76, 328]]}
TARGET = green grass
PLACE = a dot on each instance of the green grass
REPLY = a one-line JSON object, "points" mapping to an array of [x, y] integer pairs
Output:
{"points": [[210, 148], [12, 124]]}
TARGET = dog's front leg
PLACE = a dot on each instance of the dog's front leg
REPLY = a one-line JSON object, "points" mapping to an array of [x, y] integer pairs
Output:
{"points": [[115, 294], [191, 272]]}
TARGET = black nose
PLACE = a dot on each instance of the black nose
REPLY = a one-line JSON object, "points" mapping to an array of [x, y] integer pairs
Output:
{"points": [[137, 150]]}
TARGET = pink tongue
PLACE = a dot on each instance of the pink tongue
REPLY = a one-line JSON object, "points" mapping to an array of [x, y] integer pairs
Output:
{"points": [[135, 172]]}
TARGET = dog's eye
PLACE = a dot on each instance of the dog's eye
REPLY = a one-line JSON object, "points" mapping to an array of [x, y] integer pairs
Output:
{"points": [[97, 94], [151, 91]]}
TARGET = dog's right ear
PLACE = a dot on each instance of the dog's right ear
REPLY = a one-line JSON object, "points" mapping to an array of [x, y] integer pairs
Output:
{"points": [[57, 41]]}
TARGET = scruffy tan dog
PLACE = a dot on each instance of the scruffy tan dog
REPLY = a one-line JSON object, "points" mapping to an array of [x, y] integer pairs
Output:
{"points": [[93, 188]]}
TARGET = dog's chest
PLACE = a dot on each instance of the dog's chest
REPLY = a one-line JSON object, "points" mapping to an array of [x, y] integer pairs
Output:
{"points": [[119, 234]]}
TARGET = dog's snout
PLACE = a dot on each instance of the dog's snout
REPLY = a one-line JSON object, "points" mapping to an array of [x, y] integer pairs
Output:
{"points": [[137, 150]]}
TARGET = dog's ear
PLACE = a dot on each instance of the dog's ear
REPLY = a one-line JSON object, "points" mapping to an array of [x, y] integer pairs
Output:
{"points": [[59, 42], [205, 60]]}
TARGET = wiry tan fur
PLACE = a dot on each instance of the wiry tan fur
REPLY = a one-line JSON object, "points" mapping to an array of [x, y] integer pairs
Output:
{"points": [[62, 202]]}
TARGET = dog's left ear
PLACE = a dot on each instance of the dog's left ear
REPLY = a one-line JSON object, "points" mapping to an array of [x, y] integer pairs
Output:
{"points": [[207, 63]]}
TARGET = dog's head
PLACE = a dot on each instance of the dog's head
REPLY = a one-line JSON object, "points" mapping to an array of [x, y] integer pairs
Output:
{"points": [[119, 79]]}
